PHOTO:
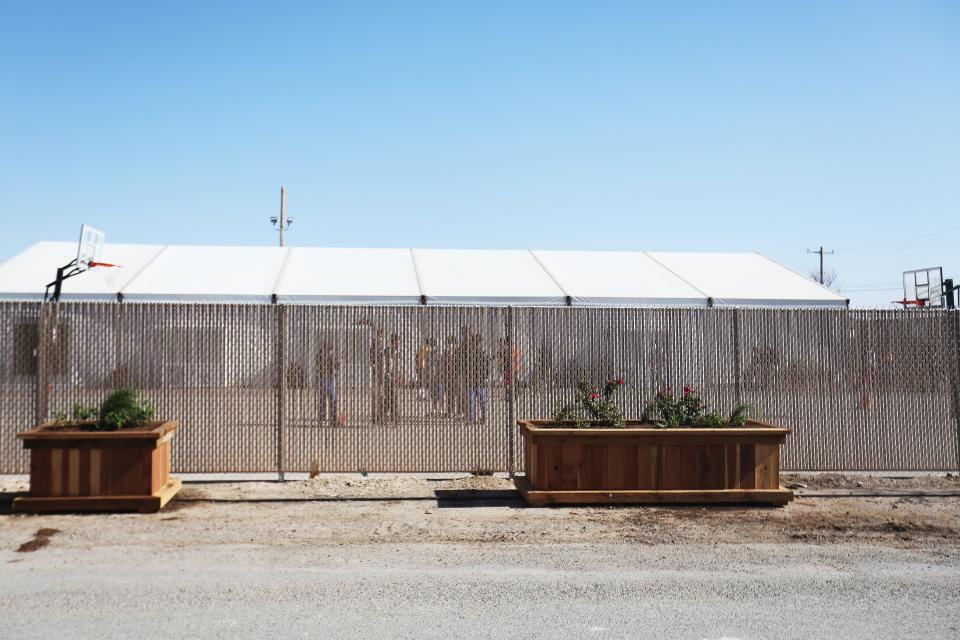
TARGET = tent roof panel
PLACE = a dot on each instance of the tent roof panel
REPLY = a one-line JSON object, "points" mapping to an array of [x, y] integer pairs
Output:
{"points": [[25, 276], [484, 277], [746, 279], [620, 278], [209, 274], [348, 276]]}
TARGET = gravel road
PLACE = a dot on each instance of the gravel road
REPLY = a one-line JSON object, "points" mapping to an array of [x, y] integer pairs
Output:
{"points": [[415, 568], [483, 591]]}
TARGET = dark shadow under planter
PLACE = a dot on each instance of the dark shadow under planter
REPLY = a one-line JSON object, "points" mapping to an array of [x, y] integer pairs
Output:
{"points": [[77, 470], [641, 464]]}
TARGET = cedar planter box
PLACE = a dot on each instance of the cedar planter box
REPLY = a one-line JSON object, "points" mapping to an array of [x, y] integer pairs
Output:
{"points": [[77, 470], [640, 464]]}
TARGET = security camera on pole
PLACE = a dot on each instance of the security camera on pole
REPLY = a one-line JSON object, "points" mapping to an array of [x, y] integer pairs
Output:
{"points": [[284, 221]]}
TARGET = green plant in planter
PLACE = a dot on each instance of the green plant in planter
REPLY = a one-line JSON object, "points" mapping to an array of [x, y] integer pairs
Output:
{"points": [[121, 409], [593, 406], [80, 413], [666, 411]]}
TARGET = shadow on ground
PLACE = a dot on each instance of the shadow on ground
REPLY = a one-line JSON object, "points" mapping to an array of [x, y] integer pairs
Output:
{"points": [[460, 498]]}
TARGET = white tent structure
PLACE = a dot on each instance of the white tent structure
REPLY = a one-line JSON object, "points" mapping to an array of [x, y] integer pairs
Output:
{"points": [[181, 273]]}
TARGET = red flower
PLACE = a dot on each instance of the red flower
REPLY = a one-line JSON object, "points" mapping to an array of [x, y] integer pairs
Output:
{"points": [[686, 390], [619, 381], [594, 395]]}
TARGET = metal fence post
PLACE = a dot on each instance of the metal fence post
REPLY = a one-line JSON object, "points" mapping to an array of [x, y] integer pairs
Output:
{"points": [[42, 398], [955, 378], [281, 313], [737, 384], [511, 405], [122, 374]]}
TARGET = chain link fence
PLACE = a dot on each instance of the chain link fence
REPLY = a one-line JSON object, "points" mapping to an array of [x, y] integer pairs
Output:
{"points": [[274, 388]]}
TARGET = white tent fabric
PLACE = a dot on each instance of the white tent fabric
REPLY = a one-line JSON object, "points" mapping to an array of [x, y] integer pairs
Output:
{"points": [[348, 276], [484, 277], [617, 278], [25, 276], [177, 273], [746, 279], [207, 274]]}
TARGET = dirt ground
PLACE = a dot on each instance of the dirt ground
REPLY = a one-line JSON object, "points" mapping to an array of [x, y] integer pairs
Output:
{"points": [[891, 480], [355, 509]]}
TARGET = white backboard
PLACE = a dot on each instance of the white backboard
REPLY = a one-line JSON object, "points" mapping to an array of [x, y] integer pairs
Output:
{"points": [[925, 285], [91, 244]]}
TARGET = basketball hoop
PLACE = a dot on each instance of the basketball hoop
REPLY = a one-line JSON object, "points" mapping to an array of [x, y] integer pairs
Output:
{"points": [[923, 289], [88, 254]]}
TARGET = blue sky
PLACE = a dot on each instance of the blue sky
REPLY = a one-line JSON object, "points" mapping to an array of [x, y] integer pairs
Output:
{"points": [[774, 127]]}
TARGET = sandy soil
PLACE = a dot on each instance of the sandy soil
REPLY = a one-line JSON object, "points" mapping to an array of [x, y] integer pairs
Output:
{"points": [[353, 509], [896, 480]]}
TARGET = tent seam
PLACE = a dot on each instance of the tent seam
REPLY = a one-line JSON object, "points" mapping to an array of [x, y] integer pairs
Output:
{"points": [[416, 274], [679, 277], [123, 289], [283, 270], [565, 293]]}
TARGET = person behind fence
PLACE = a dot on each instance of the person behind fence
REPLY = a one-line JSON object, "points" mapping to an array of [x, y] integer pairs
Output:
{"points": [[432, 376], [328, 366], [376, 375], [477, 370], [544, 373], [392, 379], [508, 362], [420, 363], [461, 398], [450, 383]]}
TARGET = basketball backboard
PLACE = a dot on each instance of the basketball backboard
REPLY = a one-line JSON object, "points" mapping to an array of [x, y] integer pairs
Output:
{"points": [[90, 247], [924, 287]]}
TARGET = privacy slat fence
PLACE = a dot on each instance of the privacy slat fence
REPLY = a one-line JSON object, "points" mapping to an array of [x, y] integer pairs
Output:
{"points": [[274, 388]]}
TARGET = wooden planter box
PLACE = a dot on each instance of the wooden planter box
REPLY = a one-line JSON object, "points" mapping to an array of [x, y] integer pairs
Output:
{"points": [[641, 464], [76, 470]]}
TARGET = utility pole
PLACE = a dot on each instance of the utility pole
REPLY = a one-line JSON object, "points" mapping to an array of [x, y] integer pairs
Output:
{"points": [[820, 251], [283, 215], [284, 221]]}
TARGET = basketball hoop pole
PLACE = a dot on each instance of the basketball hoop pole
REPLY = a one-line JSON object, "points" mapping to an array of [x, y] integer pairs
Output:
{"points": [[58, 283], [61, 276], [88, 255], [950, 291]]}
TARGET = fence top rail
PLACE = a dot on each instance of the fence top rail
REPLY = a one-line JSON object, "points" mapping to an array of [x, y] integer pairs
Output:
{"points": [[581, 306]]}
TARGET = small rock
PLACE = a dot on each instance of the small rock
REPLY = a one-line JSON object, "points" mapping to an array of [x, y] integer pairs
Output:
{"points": [[859, 484]]}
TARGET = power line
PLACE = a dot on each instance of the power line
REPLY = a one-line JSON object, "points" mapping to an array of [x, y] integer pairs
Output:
{"points": [[875, 284], [852, 290]]}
